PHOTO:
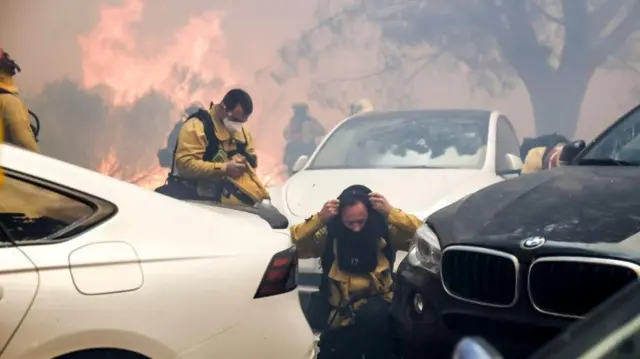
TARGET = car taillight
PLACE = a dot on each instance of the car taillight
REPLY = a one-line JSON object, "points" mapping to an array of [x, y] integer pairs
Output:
{"points": [[281, 275]]}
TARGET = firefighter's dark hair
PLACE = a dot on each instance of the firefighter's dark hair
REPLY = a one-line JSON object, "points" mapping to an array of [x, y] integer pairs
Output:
{"points": [[237, 97]]}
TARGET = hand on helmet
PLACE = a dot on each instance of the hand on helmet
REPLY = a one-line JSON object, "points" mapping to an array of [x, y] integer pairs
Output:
{"points": [[380, 203], [329, 211]]}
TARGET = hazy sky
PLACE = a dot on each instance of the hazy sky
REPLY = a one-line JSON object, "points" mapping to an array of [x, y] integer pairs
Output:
{"points": [[43, 35]]}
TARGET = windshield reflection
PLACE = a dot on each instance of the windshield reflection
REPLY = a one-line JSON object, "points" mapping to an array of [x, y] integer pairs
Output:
{"points": [[417, 139]]}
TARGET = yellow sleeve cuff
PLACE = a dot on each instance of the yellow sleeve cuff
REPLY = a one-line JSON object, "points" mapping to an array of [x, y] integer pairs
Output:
{"points": [[314, 223]]}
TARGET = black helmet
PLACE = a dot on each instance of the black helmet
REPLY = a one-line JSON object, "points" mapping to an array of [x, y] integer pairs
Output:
{"points": [[7, 65]]}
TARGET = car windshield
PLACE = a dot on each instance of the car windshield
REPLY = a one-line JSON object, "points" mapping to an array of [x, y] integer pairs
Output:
{"points": [[618, 146], [427, 139]]}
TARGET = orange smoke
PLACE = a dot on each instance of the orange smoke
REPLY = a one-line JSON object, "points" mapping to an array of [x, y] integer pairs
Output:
{"points": [[113, 55]]}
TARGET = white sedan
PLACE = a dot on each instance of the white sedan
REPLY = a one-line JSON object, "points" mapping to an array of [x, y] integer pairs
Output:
{"points": [[421, 160], [98, 268]]}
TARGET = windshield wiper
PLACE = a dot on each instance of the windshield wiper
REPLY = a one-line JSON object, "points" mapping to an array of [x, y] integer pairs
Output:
{"points": [[604, 162]]}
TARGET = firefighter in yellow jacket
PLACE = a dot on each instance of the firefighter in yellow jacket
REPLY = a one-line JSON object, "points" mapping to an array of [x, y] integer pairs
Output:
{"points": [[542, 152], [356, 237], [14, 114], [302, 134], [229, 176]]}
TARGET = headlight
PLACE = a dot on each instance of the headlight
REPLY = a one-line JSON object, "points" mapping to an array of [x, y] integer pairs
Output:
{"points": [[427, 249]]}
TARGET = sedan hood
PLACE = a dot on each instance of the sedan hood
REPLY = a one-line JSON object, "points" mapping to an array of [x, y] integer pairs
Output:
{"points": [[570, 204], [413, 190]]}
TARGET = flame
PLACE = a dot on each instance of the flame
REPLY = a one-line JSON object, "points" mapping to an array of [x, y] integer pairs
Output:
{"points": [[111, 56]]}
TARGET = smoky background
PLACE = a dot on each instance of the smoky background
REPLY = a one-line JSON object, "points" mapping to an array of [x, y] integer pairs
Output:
{"points": [[108, 79]]}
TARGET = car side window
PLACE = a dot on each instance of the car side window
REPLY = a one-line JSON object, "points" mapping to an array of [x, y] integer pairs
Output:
{"points": [[506, 139], [29, 212]]}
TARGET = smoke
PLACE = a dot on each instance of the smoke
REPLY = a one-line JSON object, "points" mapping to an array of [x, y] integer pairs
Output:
{"points": [[113, 81], [109, 78]]}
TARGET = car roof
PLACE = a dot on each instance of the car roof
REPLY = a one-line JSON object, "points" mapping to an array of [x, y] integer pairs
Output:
{"points": [[430, 112]]}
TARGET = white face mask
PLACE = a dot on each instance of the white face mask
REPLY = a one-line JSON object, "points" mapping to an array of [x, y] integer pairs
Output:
{"points": [[232, 126]]}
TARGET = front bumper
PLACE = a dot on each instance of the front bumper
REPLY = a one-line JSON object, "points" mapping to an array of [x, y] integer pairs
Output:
{"points": [[445, 320], [425, 328]]}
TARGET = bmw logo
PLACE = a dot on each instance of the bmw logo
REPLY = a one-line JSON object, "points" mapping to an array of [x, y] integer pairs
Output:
{"points": [[532, 243]]}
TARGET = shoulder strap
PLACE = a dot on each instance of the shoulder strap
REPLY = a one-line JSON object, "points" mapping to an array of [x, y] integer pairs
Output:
{"points": [[3, 91], [213, 143]]}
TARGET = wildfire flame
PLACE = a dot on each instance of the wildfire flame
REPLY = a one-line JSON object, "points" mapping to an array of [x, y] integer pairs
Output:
{"points": [[111, 56]]}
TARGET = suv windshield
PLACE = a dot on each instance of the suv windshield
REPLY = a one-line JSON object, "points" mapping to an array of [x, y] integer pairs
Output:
{"points": [[417, 139], [620, 145]]}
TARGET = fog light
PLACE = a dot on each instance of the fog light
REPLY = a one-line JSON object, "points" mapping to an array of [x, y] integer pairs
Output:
{"points": [[418, 303]]}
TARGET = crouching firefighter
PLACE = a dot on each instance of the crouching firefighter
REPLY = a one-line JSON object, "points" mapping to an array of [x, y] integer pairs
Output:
{"points": [[14, 115], [356, 238], [543, 153], [214, 157]]}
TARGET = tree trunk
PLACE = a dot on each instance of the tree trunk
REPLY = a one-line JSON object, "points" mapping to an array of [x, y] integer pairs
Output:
{"points": [[557, 100]]}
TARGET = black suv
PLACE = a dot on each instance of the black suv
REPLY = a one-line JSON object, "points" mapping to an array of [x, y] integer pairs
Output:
{"points": [[518, 261]]}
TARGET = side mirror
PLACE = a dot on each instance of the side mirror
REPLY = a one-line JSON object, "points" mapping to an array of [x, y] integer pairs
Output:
{"points": [[475, 348], [509, 165], [571, 150], [300, 163]]}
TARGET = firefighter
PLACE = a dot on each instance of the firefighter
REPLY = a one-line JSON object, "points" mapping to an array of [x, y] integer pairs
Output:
{"points": [[301, 135], [542, 153], [356, 238], [215, 158], [14, 114]]}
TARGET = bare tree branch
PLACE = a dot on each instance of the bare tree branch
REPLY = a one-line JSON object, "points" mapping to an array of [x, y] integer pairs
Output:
{"points": [[498, 41], [524, 52], [541, 10], [387, 69], [601, 17], [618, 36], [426, 61]]}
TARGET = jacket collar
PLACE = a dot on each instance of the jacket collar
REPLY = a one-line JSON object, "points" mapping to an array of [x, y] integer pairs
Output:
{"points": [[7, 83]]}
